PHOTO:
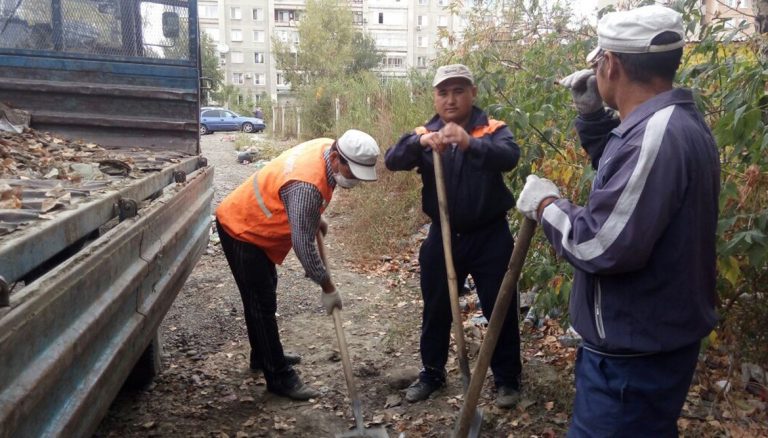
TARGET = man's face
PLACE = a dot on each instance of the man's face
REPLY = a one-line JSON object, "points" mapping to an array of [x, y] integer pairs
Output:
{"points": [[453, 100], [341, 166]]}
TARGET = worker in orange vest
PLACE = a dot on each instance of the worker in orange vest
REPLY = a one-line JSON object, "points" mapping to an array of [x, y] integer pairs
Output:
{"points": [[276, 209]]}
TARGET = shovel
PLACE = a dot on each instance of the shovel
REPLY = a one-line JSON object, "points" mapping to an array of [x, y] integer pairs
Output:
{"points": [[466, 425], [360, 431], [453, 289]]}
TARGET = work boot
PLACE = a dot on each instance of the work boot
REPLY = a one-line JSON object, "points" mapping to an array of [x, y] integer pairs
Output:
{"points": [[290, 359], [421, 390], [507, 397], [299, 391]]}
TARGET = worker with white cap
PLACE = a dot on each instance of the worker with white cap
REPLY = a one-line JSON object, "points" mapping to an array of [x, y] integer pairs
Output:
{"points": [[276, 209], [643, 247]]}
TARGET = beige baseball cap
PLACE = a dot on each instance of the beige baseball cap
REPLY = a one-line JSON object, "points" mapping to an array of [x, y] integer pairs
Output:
{"points": [[451, 71], [361, 152]]}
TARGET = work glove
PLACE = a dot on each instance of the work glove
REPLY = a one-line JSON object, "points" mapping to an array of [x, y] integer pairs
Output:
{"points": [[535, 190], [583, 86], [331, 301]]}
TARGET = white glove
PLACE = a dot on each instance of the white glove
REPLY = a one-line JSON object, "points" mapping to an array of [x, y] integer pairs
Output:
{"points": [[583, 86], [331, 301], [535, 190]]}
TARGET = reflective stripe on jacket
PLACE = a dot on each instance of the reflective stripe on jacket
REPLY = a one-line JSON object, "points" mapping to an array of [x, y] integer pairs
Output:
{"points": [[477, 132], [255, 213]]}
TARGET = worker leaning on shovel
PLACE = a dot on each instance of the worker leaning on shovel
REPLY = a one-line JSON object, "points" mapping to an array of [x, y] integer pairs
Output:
{"points": [[277, 208], [476, 150], [643, 248]]}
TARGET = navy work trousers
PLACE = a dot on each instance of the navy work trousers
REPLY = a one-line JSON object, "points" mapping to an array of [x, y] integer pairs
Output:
{"points": [[484, 254], [631, 396], [256, 278]]}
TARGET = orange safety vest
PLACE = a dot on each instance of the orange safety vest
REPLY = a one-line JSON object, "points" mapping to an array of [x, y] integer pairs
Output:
{"points": [[255, 213], [478, 132]]}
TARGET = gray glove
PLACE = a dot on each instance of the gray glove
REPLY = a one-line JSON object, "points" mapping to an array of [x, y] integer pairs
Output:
{"points": [[583, 86], [535, 190], [331, 301]]}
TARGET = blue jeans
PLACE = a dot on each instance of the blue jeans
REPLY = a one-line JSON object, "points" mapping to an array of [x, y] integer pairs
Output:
{"points": [[631, 396]]}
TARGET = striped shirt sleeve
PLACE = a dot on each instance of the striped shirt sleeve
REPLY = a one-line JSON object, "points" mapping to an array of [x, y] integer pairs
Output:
{"points": [[302, 203]]}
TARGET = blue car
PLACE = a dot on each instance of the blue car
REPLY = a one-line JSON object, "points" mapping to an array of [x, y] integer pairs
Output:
{"points": [[220, 119]]}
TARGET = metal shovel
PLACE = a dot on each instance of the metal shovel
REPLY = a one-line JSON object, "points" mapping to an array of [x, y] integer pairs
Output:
{"points": [[453, 288], [357, 410], [507, 292]]}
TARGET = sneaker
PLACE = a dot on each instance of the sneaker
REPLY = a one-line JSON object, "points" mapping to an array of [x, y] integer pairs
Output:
{"points": [[507, 397], [421, 390], [290, 358], [299, 391]]}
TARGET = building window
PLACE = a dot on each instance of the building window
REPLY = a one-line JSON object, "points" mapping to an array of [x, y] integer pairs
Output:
{"points": [[258, 58], [258, 36], [423, 2], [286, 15], [392, 62], [381, 18], [422, 20], [281, 79], [209, 11], [442, 21], [258, 79], [236, 35], [357, 17], [235, 13], [421, 61], [422, 41], [258, 14], [442, 2], [236, 57], [213, 33], [237, 79]]}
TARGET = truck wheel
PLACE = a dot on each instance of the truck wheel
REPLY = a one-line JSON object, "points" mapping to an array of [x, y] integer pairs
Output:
{"points": [[203, 130], [147, 367], [247, 127]]}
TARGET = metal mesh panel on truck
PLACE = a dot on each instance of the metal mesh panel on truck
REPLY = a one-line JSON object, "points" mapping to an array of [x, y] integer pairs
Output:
{"points": [[130, 28]]}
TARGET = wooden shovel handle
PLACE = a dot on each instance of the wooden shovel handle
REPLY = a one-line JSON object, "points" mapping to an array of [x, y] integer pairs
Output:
{"points": [[453, 288], [345, 361], [500, 309]]}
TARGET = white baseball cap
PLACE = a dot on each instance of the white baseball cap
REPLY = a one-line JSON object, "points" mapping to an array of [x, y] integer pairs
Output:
{"points": [[451, 71], [361, 152], [632, 31]]}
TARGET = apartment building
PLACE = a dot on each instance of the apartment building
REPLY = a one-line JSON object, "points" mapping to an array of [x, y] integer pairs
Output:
{"points": [[407, 32], [733, 11]]}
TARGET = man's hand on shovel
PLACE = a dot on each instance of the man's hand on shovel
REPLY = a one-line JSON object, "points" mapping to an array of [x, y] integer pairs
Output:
{"points": [[331, 300], [453, 134]]}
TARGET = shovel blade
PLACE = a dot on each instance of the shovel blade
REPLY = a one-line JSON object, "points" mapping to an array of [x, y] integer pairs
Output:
{"points": [[476, 425], [374, 432]]}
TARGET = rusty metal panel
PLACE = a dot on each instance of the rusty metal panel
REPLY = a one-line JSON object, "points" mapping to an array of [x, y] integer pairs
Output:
{"points": [[71, 337], [20, 252]]}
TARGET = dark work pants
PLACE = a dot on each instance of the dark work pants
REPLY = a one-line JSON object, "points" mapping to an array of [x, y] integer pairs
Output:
{"points": [[256, 278], [485, 255], [631, 397]]}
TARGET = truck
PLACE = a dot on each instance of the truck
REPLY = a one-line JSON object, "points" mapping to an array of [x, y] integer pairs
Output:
{"points": [[84, 288]]}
